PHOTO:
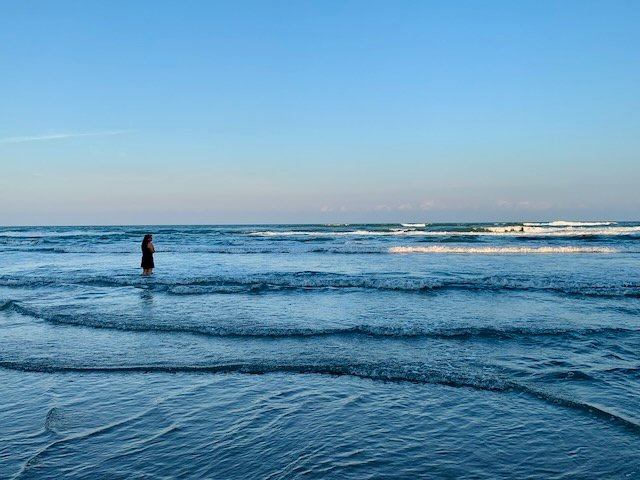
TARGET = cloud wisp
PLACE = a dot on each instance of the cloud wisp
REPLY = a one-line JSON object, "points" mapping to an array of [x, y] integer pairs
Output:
{"points": [[57, 136]]}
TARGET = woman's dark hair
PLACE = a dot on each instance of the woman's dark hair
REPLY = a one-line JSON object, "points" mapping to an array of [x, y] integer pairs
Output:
{"points": [[146, 239]]}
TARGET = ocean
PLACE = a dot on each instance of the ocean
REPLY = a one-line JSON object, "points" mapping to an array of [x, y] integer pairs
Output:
{"points": [[471, 351]]}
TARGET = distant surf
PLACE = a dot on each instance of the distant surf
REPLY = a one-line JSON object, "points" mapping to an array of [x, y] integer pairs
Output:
{"points": [[500, 250]]}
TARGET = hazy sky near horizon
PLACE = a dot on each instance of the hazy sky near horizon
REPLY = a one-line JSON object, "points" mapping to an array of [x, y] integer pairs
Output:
{"points": [[125, 112]]}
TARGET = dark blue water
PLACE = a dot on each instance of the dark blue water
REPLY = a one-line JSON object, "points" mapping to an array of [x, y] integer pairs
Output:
{"points": [[321, 351]]}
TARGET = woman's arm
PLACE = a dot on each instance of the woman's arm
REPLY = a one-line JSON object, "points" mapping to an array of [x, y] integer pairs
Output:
{"points": [[151, 248]]}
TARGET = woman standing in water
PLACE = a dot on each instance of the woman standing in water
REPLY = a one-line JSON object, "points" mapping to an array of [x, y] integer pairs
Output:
{"points": [[147, 254]]}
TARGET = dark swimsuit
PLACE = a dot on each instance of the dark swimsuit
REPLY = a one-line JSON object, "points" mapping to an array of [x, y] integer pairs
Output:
{"points": [[147, 258]]}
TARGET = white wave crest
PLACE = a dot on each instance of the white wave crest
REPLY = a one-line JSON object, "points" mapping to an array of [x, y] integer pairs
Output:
{"points": [[563, 223], [501, 231], [292, 233], [558, 231], [500, 250]]}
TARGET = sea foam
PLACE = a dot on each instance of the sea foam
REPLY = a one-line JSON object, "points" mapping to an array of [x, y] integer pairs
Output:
{"points": [[499, 250]]}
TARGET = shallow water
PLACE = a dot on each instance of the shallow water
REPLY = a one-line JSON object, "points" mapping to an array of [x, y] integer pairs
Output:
{"points": [[342, 351]]}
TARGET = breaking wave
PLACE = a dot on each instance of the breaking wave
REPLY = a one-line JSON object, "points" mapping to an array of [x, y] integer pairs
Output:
{"points": [[519, 230], [500, 250], [563, 223]]}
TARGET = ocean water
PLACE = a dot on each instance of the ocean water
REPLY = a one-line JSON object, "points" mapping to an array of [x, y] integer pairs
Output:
{"points": [[321, 351]]}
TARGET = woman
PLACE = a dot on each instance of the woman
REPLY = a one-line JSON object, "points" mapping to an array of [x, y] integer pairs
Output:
{"points": [[147, 254]]}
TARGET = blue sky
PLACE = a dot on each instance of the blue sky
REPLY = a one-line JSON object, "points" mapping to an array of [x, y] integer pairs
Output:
{"points": [[318, 111]]}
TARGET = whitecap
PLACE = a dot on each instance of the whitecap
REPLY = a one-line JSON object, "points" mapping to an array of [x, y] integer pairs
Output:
{"points": [[499, 250]]}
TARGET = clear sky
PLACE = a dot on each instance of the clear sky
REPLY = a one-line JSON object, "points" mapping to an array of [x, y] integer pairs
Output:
{"points": [[268, 111]]}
